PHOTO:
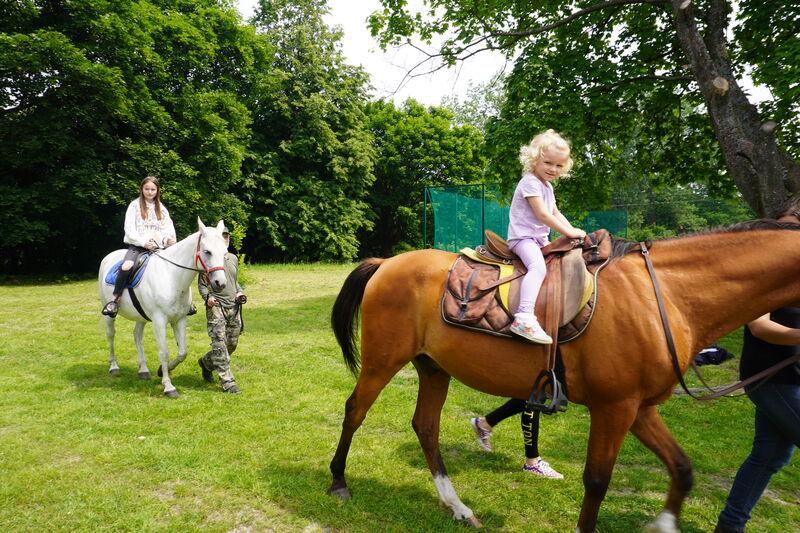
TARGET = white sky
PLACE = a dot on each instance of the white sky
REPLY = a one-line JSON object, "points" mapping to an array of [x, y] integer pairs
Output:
{"points": [[388, 69]]}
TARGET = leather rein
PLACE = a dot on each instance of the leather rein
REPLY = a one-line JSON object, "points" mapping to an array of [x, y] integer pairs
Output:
{"points": [[197, 259], [764, 375]]}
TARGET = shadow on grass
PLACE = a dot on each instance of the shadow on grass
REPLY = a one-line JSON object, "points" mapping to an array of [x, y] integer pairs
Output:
{"points": [[96, 376], [384, 505], [459, 458], [376, 505]]}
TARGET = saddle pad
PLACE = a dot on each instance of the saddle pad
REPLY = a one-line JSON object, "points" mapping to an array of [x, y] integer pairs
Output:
{"points": [[111, 276]]}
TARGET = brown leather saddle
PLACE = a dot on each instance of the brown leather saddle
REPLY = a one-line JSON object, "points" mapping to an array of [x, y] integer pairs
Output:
{"points": [[482, 288]]}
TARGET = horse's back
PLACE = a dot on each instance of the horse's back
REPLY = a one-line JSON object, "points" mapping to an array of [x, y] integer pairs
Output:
{"points": [[411, 276], [110, 259]]}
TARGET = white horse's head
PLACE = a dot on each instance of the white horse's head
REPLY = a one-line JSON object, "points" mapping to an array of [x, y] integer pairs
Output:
{"points": [[210, 257]]}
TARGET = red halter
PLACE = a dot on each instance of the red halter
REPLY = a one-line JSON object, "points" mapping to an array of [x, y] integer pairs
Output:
{"points": [[198, 259]]}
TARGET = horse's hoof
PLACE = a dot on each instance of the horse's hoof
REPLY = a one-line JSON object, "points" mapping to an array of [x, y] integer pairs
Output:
{"points": [[144, 375], [472, 522], [342, 493], [114, 371], [171, 394]]}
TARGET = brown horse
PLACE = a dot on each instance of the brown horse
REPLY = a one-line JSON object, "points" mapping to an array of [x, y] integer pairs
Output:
{"points": [[620, 368]]}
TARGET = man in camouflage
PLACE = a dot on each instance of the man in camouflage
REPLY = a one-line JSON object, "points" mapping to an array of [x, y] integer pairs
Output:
{"points": [[224, 317]]}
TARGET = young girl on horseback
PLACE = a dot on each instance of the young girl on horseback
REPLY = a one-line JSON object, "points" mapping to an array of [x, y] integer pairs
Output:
{"points": [[532, 215], [147, 226]]}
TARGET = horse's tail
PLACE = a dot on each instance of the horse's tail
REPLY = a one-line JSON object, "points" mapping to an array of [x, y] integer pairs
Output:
{"points": [[344, 315]]}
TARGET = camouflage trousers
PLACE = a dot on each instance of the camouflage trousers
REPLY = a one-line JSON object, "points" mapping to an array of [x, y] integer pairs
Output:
{"points": [[224, 327]]}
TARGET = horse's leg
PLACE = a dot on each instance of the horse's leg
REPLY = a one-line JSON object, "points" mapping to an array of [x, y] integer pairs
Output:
{"points": [[609, 425], [138, 335], [179, 329], [110, 333], [433, 385], [160, 331], [371, 382], [651, 430]]}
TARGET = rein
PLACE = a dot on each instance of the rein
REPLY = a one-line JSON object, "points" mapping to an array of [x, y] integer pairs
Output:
{"points": [[764, 375], [204, 270]]}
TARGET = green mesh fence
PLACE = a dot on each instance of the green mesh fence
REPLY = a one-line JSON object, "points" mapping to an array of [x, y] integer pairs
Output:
{"points": [[460, 214]]}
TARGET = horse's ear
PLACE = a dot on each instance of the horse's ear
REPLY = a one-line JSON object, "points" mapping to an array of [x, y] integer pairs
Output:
{"points": [[220, 227], [200, 224]]}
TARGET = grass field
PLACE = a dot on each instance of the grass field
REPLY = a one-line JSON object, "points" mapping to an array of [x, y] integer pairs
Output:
{"points": [[84, 451]]}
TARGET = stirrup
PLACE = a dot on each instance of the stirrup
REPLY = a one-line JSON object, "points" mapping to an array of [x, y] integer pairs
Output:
{"points": [[540, 400], [110, 309]]}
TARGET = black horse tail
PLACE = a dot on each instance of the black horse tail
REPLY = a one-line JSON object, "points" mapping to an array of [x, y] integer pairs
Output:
{"points": [[344, 315]]}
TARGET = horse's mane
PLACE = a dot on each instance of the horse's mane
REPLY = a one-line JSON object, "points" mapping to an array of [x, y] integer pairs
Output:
{"points": [[622, 247]]}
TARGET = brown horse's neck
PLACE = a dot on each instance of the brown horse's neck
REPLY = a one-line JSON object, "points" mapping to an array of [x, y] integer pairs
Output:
{"points": [[720, 281]]}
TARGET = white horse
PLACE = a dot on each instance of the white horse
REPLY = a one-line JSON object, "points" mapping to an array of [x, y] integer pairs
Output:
{"points": [[164, 293]]}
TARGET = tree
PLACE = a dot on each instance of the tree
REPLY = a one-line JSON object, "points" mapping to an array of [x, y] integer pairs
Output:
{"points": [[591, 67], [482, 103], [96, 95], [310, 163], [265, 130], [416, 146]]}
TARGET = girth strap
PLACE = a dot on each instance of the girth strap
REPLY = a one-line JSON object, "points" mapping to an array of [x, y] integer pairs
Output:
{"points": [[137, 305]]}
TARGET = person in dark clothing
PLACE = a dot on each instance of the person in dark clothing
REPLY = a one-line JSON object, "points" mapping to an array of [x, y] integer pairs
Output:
{"points": [[768, 340]]}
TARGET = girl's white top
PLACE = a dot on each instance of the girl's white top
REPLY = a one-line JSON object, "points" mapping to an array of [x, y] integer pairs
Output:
{"points": [[138, 230], [522, 220]]}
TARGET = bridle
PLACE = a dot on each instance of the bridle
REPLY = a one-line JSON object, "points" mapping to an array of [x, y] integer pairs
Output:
{"points": [[764, 375], [198, 259], [204, 270]]}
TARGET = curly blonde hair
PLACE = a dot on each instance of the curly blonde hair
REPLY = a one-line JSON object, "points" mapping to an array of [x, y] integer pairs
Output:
{"points": [[529, 154]]}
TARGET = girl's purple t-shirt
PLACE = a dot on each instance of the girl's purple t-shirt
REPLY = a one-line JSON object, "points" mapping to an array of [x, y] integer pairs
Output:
{"points": [[522, 221]]}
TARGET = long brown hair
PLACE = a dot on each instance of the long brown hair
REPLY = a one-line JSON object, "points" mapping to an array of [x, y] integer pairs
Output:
{"points": [[156, 200]]}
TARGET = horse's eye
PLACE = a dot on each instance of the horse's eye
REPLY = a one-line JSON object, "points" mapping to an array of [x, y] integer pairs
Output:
{"points": [[208, 253]]}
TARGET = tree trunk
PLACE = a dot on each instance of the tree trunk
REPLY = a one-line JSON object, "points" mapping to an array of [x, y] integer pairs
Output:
{"points": [[761, 170]]}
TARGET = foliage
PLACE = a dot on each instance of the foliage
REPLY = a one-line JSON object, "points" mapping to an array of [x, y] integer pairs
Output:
{"points": [[262, 129], [655, 213], [483, 102], [87, 451], [416, 146], [769, 45], [99, 94], [310, 163], [614, 77]]}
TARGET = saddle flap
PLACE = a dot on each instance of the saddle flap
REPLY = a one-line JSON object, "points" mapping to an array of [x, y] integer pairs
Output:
{"points": [[577, 286], [471, 295]]}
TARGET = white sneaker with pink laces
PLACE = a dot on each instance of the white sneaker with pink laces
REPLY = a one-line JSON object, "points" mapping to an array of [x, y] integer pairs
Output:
{"points": [[526, 325]]}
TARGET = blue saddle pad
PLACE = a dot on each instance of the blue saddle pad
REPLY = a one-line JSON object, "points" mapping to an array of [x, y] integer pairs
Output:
{"points": [[111, 277]]}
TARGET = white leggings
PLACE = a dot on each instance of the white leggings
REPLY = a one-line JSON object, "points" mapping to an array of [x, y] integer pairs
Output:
{"points": [[531, 254]]}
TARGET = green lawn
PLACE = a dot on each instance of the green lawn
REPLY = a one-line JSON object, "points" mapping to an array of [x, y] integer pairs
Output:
{"points": [[84, 451]]}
